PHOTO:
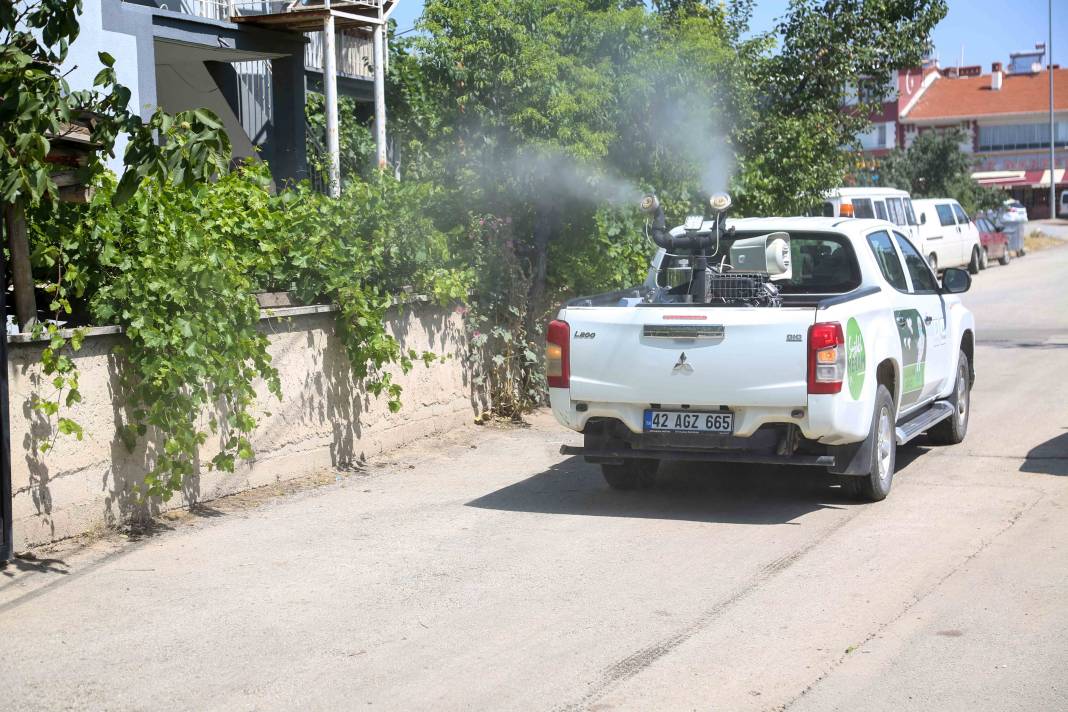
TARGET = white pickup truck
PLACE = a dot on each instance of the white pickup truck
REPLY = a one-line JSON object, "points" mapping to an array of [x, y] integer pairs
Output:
{"points": [[841, 346]]}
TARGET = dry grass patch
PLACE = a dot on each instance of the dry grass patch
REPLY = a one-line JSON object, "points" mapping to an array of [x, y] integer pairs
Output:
{"points": [[1037, 240]]}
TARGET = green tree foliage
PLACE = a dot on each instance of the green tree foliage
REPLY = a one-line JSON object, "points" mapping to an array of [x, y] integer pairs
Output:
{"points": [[832, 53], [355, 142], [555, 116], [935, 166], [37, 104]]}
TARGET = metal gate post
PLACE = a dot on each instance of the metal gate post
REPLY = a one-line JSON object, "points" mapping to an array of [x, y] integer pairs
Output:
{"points": [[6, 543]]}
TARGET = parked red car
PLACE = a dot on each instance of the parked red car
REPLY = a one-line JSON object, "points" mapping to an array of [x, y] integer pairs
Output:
{"points": [[995, 243]]}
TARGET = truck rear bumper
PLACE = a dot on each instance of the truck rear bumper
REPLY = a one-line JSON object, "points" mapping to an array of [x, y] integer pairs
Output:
{"points": [[617, 455], [829, 419]]}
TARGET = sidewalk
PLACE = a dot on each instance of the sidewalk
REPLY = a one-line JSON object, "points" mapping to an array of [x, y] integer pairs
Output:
{"points": [[1054, 228]]}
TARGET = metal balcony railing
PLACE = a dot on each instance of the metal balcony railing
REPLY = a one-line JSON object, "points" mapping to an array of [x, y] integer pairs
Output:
{"points": [[227, 9]]}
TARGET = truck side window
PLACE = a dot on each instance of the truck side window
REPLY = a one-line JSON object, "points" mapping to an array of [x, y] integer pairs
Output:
{"points": [[962, 217], [880, 210], [889, 262], [945, 215], [862, 208], [910, 215], [923, 281], [897, 214]]}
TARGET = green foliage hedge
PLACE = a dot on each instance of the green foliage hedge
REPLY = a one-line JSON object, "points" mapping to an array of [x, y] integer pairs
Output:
{"points": [[178, 267]]}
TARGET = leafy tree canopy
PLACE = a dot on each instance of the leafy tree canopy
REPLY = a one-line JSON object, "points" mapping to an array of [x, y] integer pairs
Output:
{"points": [[935, 166]]}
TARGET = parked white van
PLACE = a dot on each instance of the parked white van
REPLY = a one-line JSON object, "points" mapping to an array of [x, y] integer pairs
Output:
{"points": [[948, 237], [881, 203]]}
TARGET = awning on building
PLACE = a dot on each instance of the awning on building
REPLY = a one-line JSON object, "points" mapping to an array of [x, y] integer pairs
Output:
{"points": [[1010, 179], [999, 177]]}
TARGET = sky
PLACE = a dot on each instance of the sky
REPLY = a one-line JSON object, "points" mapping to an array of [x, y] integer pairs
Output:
{"points": [[988, 30]]}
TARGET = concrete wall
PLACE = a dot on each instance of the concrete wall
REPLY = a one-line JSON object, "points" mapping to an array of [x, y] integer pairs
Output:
{"points": [[324, 420]]}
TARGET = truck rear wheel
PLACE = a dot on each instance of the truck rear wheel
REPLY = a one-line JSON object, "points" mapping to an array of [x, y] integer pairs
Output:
{"points": [[631, 475], [874, 486]]}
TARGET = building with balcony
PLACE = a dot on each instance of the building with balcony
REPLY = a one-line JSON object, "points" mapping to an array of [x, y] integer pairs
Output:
{"points": [[231, 57]]}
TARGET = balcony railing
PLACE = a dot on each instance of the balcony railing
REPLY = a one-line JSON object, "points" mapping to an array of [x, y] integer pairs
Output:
{"points": [[354, 48], [353, 51]]}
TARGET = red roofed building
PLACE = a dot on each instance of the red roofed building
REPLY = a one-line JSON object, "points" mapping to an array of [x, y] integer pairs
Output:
{"points": [[1006, 118]]}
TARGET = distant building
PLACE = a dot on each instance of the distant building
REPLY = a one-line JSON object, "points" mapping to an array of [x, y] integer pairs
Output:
{"points": [[1004, 116], [905, 88], [187, 54]]}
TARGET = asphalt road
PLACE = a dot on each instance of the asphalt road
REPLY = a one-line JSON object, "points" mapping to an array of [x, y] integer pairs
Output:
{"points": [[489, 572]]}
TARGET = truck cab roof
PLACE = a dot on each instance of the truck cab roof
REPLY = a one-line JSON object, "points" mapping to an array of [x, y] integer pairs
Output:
{"points": [[848, 226]]}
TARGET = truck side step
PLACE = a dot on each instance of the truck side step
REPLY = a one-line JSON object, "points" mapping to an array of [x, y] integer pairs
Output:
{"points": [[939, 411]]}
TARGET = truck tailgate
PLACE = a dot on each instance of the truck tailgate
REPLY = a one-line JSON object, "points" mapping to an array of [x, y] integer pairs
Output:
{"points": [[706, 356]]}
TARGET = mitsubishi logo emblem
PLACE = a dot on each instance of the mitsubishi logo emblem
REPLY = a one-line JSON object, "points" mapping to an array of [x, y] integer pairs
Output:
{"points": [[681, 366]]}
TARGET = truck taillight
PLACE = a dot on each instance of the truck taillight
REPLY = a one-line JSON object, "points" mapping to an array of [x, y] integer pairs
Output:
{"points": [[826, 358], [558, 354]]}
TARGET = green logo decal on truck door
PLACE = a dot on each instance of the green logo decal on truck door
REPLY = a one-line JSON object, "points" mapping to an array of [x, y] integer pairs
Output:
{"points": [[855, 361], [913, 334]]}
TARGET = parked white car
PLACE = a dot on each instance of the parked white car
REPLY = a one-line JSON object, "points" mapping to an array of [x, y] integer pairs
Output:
{"points": [[1013, 211], [878, 203], [1063, 209], [841, 346], [947, 236]]}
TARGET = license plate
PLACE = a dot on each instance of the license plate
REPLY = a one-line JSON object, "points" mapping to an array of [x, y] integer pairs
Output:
{"points": [[684, 421]]}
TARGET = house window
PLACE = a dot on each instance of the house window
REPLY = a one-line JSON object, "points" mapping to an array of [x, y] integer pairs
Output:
{"points": [[881, 136], [1010, 137]]}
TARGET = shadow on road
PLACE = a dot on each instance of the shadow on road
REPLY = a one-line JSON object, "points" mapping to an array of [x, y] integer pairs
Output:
{"points": [[27, 563], [1048, 458], [700, 492]]}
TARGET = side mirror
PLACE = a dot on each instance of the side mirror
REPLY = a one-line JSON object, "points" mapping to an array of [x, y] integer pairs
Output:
{"points": [[923, 218], [956, 281]]}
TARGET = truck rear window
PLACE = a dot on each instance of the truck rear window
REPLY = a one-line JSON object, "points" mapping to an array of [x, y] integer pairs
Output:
{"points": [[822, 264]]}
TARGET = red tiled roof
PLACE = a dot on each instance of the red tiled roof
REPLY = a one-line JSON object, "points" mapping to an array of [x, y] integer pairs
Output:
{"points": [[971, 97]]}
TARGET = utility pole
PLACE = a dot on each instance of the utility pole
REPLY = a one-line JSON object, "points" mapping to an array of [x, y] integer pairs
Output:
{"points": [[333, 147], [1052, 138]]}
